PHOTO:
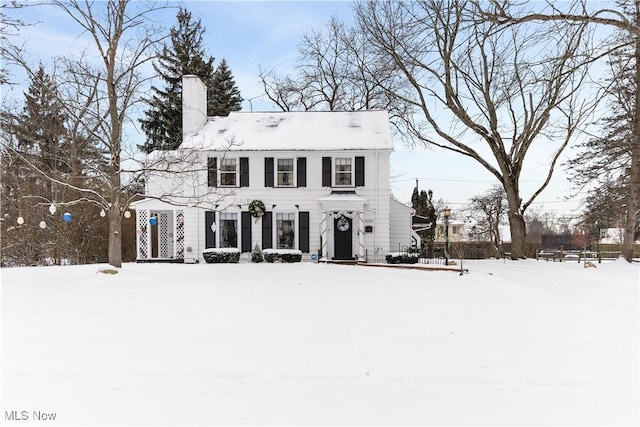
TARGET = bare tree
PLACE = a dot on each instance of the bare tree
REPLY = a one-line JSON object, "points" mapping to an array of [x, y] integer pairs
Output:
{"points": [[99, 96], [336, 71], [108, 82], [482, 90], [625, 17], [10, 26], [488, 210]]}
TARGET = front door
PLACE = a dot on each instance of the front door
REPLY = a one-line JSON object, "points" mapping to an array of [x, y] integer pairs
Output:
{"points": [[343, 238]]}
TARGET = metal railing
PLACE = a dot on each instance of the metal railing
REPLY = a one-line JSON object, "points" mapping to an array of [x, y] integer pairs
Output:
{"points": [[423, 256]]}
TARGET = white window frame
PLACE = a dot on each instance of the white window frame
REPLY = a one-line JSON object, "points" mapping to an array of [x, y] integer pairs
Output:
{"points": [[335, 171], [293, 172], [295, 228], [236, 171]]}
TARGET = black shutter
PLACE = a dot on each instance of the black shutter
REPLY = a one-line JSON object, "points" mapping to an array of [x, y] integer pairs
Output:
{"points": [[244, 171], [302, 172], [303, 236], [268, 171], [326, 171], [212, 172], [210, 235], [245, 220], [359, 171], [267, 237]]}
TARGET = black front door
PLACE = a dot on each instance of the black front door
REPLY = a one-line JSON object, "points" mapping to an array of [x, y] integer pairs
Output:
{"points": [[343, 238]]}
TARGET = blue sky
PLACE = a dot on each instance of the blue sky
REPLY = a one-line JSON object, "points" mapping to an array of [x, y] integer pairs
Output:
{"points": [[250, 34]]}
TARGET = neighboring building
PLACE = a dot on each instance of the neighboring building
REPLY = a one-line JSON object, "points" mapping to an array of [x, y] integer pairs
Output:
{"points": [[456, 231], [322, 177], [611, 236]]}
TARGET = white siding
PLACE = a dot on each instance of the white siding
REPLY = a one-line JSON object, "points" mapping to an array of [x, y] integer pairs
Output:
{"points": [[376, 192], [400, 226]]}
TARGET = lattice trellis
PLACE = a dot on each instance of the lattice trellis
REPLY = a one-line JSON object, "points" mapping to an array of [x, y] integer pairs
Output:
{"points": [[179, 234], [163, 235], [143, 239]]}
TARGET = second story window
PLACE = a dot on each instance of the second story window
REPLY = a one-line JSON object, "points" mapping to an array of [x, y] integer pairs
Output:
{"points": [[285, 173], [228, 173], [343, 172]]}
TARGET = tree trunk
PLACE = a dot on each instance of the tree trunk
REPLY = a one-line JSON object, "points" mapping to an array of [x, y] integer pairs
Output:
{"points": [[516, 220], [632, 201], [634, 179], [518, 235], [115, 236]]}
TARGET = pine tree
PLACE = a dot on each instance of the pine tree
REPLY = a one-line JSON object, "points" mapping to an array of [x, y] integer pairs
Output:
{"points": [[606, 161], [225, 95], [184, 55], [40, 128], [43, 151], [422, 202]]}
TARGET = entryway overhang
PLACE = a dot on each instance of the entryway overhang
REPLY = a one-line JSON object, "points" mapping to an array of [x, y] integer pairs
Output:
{"points": [[346, 204]]}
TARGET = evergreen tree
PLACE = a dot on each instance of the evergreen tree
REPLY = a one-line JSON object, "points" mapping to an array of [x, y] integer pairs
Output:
{"points": [[225, 95], [42, 152], [606, 161], [422, 202], [184, 55], [40, 128]]}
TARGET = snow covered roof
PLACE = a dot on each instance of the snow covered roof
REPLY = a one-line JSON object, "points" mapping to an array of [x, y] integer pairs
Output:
{"points": [[291, 131]]}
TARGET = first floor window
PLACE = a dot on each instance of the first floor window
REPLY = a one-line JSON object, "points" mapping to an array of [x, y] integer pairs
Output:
{"points": [[285, 230], [228, 173], [285, 172], [343, 172], [228, 230]]}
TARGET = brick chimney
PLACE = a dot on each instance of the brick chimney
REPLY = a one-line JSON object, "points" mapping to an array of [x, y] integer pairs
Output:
{"points": [[194, 104]]}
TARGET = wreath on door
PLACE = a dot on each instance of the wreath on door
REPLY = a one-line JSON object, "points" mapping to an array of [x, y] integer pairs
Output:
{"points": [[256, 208], [343, 224]]}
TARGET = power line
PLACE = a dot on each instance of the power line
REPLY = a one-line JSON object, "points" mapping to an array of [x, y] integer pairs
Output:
{"points": [[457, 180]]}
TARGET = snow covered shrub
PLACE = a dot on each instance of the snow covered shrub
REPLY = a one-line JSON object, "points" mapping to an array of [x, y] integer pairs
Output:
{"points": [[256, 254], [282, 255], [402, 258], [221, 255]]}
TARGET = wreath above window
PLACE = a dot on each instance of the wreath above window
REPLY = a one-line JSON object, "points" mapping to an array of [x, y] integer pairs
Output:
{"points": [[256, 208]]}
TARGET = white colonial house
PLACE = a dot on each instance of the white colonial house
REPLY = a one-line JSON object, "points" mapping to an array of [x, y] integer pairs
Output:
{"points": [[317, 182]]}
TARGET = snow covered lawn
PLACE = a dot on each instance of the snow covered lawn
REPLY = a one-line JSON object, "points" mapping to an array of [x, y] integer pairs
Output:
{"points": [[527, 342]]}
